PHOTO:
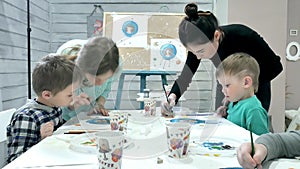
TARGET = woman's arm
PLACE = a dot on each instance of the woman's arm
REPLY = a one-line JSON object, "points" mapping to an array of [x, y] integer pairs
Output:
{"points": [[185, 78]]}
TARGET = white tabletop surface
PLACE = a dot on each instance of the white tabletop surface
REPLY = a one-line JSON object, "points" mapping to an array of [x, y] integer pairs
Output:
{"points": [[55, 151]]}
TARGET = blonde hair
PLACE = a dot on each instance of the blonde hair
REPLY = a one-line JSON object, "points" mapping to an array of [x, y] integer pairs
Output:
{"points": [[71, 48], [240, 65]]}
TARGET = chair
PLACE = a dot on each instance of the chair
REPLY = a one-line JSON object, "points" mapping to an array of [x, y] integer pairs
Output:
{"points": [[292, 118], [270, 123], [295, 123], [5, 117]]}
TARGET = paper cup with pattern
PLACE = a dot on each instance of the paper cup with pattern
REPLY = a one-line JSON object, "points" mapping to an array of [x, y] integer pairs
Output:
{"points": [[149, 107], [178, 136], [118, 122], [109, 149]]}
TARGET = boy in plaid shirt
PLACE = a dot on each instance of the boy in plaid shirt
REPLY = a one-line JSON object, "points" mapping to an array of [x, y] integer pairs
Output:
{"points": [[54, 79]]}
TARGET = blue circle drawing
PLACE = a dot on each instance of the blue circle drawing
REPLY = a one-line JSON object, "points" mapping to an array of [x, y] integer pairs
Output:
{"points": [[168, 51], [188, 120], [130, 28], [103, 121]]}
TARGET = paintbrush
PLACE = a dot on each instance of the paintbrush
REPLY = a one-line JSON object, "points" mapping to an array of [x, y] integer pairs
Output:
{"points": [[252, 144], [91, 105], [166, 93], [170, 113]]}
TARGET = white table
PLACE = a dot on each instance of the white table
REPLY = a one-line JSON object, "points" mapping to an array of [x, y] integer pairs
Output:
{"points": [[55, 153]]}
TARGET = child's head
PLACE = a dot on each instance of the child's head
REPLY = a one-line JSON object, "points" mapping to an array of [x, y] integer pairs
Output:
{"points": [[54, 78], [71, 48], [237, 73], [199, 31], [98, 59]]}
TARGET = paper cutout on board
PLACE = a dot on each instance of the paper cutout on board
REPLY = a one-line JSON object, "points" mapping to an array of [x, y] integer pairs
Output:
{"points": [[167, 54], [130, 30]]}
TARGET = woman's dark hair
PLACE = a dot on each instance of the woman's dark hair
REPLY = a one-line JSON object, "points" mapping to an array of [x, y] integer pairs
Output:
{"points": [[197, 26]]}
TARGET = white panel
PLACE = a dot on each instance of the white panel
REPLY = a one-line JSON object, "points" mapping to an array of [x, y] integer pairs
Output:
{"points": [[1, 105]]}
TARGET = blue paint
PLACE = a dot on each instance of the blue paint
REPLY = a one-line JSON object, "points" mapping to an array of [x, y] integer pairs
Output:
{"points": [[188, 120], [99, 121]]}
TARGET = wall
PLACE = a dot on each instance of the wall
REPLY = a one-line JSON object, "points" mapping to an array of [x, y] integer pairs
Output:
{"points": [[292, 68], [13, 46], [269, 18], [69, 21]]}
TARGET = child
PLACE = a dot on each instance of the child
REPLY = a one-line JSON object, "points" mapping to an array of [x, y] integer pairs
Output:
{"points": [[238, 74], [53, 80], [98, 58]]}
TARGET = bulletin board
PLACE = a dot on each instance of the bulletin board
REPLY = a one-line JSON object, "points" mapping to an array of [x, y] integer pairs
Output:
{"points": [[146, 41]]}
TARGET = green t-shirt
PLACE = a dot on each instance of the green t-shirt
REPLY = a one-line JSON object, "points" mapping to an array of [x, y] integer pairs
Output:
{"points": [[249, 111]]}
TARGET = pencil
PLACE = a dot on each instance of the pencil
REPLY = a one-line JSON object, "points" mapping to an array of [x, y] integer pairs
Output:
{"points": [[79, 131], [252, 144]]}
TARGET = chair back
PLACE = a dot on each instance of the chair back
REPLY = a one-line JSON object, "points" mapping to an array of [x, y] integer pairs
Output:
{"points": [[295, 123], [5, 117]]}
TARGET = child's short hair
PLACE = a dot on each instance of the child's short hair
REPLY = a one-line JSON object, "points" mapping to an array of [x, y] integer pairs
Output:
{"points": [[240, 65], [54, 73], [98, 56]]}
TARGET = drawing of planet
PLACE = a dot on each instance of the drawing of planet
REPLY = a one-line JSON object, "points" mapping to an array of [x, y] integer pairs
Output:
{"points": [[188, 120], [102, 121], [168, 51]]}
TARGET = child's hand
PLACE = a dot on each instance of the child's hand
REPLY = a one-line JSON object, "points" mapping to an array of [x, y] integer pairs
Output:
{"points": [[222, 110], [99, 109], [47, 129], [82, 99]]}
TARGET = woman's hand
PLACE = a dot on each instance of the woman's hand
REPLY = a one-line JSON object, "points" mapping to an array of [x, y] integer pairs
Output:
{"points": [[47, 129], [245, 159], [167, 106]]}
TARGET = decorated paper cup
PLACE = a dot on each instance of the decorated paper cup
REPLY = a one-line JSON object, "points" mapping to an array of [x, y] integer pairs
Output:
{"points": [[118, 122], [109, 149], [149, 107], [178, 136]]}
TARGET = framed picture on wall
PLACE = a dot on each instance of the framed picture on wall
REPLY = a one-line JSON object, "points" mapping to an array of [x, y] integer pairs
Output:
{"points": [[95, 22], [94, 25]]}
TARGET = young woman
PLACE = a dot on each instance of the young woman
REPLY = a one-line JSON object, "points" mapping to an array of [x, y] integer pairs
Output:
{"points": [[200, 33]]}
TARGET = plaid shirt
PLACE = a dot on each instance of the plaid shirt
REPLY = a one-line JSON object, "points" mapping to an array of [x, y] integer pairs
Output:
{"points": [[24, 129]]}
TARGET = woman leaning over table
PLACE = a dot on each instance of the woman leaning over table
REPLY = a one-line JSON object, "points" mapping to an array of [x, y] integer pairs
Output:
{"points": [[98, 58], [268, 147], [200, 33]]}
